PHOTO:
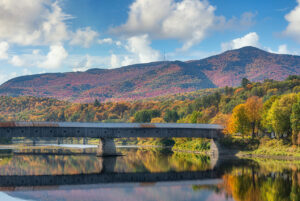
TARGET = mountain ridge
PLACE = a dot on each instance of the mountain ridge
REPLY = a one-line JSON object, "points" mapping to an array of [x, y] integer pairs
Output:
{"points": [[153, 79]]}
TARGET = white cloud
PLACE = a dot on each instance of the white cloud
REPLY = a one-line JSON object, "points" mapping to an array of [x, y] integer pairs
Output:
{"points": [[141, 51], [251, 39], [188, 20], [42, 23], [146, 16], [36, 52], [16, 61], [3, 50], [282, 49], [114, 61], [105, 40], [55, 57], [293, 18], [129, 60], [109, 41], [4, 77], [118, 43], [84, 37], [83, 65], [246, 20], [26, 72]]}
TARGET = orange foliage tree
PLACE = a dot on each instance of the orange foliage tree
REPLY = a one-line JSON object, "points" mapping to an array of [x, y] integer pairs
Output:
{"points": [[254, 106]]}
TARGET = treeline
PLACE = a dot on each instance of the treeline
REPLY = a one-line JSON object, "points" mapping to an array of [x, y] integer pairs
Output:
{"points": [[252, 108]]}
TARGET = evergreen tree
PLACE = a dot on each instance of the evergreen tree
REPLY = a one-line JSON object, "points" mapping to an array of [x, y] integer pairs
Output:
{"points": [[97, 103], [245, 82]]}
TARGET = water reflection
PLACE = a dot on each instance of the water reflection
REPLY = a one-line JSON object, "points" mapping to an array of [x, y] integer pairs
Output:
{"points": [[149, 174]]}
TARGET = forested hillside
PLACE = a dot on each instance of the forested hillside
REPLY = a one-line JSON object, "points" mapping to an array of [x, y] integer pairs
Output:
{"points": [[274, 106]]}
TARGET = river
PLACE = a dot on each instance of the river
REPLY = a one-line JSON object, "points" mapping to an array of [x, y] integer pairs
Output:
{"points": [[74, 173]]}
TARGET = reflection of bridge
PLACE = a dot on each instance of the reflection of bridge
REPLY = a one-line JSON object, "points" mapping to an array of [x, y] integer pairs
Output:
{"points": [[107, 175], [54, 180], [108, 131]]}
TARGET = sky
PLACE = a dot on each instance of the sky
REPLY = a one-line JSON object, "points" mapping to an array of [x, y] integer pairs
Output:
{"points": [[41, 36]]}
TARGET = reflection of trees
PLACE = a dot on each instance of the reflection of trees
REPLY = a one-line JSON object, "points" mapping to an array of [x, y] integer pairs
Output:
{"points": [[247, 184], [161, 161], [134, 160], [50, 164]]}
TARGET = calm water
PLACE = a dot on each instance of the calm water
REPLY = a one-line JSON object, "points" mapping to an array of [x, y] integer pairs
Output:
{"points": [[165, 176]]}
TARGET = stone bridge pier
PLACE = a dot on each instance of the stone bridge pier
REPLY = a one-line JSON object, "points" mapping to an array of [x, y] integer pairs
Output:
{"points": [[107, 147]]}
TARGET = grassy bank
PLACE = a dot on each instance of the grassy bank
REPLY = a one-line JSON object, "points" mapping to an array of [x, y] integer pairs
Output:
{"points": [[263, 147], [197, 145], [273, 147]]}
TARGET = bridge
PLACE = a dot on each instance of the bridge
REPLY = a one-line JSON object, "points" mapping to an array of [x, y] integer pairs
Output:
{"points": [[108, 131]]}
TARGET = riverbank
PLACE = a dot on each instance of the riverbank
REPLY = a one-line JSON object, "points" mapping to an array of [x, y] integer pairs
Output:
{"points": [[273, 148], [243, 147], [262, 148]]}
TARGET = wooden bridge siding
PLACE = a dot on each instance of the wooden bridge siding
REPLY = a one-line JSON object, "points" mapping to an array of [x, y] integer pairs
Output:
{"points": [[108, 132]]}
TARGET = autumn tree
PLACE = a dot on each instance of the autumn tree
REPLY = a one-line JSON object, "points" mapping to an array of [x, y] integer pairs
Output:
{"points": [[253, 107], [157, 120], [266, 123], [239, 121], [295, 123], [280, 113]]}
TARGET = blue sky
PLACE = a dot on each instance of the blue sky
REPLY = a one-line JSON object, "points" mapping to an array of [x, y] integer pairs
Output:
{"points": [[39, 36]]}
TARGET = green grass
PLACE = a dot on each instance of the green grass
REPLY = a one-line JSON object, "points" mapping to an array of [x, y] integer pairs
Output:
{"points": [[191, 144], [145, 141], [275, 147]]}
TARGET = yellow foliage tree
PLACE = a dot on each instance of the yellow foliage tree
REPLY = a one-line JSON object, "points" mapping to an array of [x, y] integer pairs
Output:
{"points": [[157, 120], [239, 121]]}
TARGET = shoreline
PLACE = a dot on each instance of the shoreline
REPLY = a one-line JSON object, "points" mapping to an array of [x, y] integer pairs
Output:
{"points": [[262, 156]]}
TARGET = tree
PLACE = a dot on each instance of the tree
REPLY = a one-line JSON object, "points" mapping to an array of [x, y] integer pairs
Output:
{"points": [[239, 121], [266, 123], [171, 116], [295, 123], [228, 90], [245, 82], [157, 120], [145, 116], [280, 113], [195, 117], [293, 77], [97, 103], [253, 107]]}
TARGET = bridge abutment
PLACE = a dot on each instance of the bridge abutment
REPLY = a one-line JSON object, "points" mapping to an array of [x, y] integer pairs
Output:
{"points": [[107, 147], [214, 148]]}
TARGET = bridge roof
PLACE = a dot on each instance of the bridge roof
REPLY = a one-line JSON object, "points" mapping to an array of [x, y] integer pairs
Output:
{"points": [[109, 125]]}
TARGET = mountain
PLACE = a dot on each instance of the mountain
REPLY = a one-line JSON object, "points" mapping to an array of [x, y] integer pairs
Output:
{"points": [[228, 68], [126, 83], [157, 78]]}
